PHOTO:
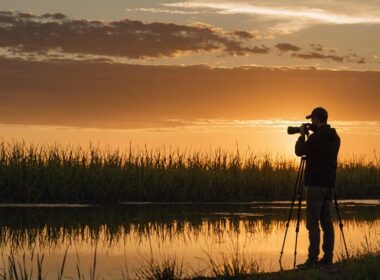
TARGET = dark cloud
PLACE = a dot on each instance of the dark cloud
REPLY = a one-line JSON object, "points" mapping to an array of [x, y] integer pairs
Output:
{"points": [[22, 32], [316, 55], [34, 36], [234, 48], [107, 95], [355, 58], [243, 34], [57, 16], [317, 47], [287, 47], [361, 61], [318, 52]]}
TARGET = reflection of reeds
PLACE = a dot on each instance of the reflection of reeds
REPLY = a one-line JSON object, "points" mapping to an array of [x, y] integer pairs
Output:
{"points": [[17, 267], [24, 227], [61, 271], [68, 174]]}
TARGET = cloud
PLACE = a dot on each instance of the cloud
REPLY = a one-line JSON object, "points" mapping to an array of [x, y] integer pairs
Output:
{"points": [[287, 47], [235, 48], [316, 55], [361, 61], [358, 127], [56, 36], [287, 17], [317, 47], [317, 15], [27, 33], [57, 16], [157, 10], [355, 58], [317, 51], [243, 34], [112, 95]]}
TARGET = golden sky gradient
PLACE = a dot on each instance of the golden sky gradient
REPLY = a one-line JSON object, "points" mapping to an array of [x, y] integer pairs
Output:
{"points": [[188, 73]]}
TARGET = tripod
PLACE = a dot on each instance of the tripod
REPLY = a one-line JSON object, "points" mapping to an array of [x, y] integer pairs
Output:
{"points": [[297, 193], [298, 189], [340, 224]]}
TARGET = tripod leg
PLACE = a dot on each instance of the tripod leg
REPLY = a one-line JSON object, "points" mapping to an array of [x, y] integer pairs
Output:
{"points": [[300, 191], [340, 224], [299, 175]]}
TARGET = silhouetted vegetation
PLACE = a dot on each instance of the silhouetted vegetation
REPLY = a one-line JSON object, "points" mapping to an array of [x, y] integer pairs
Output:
{"points": [[363, 265], [93, 175]]}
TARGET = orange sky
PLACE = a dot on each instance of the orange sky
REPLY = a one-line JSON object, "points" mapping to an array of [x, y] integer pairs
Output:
{"points": [[177, 106], [188, 73], [103, 95]]}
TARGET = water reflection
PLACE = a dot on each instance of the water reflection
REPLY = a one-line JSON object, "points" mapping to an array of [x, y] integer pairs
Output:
{"points": [[125, 233]]}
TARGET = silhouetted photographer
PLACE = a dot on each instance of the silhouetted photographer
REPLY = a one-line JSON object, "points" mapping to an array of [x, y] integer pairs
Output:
{"points": [[321, 151], [317, 172]]}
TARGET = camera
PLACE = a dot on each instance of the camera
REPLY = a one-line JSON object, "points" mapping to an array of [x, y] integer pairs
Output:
{"points": [[296, 129]]}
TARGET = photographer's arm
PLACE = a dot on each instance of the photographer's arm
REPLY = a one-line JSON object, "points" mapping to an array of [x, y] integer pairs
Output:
{"points": [[304, 147]]}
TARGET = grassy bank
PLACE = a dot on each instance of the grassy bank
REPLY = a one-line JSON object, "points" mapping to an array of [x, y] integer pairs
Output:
{"points": [[95, 175], [365, 267], [235, 266], [361, 267]]}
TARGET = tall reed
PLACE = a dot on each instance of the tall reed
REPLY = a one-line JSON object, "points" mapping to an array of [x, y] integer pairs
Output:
{"points": [[30, 173]]}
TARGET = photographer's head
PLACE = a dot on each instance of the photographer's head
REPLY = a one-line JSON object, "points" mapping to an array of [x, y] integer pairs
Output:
{"points": [[318, 116]]}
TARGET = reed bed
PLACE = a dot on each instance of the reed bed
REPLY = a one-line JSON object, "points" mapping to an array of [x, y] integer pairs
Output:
{"points": [[364, 264], [37, 174]]}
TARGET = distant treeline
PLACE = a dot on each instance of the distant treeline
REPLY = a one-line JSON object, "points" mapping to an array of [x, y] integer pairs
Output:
{"points": [[97, 175]]}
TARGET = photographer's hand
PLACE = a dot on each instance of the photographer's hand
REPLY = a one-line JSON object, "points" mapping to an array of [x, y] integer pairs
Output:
{"points": [[302, 131]]}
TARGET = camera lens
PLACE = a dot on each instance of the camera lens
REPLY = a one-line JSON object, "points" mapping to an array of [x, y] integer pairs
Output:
{"points": [[293, 130]]}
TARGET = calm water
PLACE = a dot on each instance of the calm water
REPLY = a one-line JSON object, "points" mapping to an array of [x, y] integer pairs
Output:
{"points": [[123, 237]]}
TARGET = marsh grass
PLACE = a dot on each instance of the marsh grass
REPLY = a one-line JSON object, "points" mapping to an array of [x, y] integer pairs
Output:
{"points": [[363, 261], [233, 265], [164, 268], [56, 173], [370, 247], [230, 265], [364, 264]]}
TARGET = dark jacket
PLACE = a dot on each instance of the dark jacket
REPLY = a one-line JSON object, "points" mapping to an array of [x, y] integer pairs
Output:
{"points": [[321, 151]]}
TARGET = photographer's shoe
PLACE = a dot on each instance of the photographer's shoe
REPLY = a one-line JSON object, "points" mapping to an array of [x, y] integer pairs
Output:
{"points": [[308, 264], [325, 261]]}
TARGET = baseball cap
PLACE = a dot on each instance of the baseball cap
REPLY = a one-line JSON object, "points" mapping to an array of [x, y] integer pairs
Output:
{"points": [[319, 113]]}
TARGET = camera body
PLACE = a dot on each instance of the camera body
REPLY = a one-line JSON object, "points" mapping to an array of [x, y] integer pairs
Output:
{"points": [[296, 129]]}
